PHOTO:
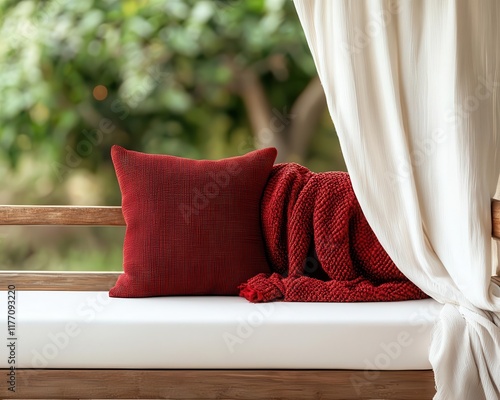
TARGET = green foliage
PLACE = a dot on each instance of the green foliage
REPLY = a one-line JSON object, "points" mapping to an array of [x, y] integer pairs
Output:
{"points": [[171, 72], [61, 248], [169, 68]]}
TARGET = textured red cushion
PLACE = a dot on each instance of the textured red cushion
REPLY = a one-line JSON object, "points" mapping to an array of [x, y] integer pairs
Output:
{"points": [[193, 226]]}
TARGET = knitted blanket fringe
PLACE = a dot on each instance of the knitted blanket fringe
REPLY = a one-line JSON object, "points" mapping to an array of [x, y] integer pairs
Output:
{"points": [[319, 244]]}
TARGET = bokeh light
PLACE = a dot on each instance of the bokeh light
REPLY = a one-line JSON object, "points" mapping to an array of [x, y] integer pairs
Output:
{"points": [[100, 92]]}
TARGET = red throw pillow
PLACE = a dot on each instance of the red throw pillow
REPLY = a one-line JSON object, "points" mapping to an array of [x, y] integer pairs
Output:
{"points": [[193, 226]]}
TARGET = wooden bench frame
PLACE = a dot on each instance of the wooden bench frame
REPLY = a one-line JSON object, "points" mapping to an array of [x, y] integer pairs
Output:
{"points": [[184, 384]]}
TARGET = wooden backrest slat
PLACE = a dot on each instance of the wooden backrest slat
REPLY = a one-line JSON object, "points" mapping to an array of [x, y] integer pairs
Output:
{"points": [[99, 216], [495, 218], [112, 216], [59, 281], [72, 281], [61, 215]]}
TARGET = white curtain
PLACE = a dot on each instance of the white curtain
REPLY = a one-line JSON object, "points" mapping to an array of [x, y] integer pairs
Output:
{"points": [[413, 88]]}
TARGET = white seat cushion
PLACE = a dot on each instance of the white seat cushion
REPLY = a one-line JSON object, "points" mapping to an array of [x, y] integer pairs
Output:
{"points": [[90, 330]]}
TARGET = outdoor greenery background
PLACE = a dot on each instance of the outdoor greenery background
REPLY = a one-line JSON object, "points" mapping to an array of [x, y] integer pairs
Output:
{"points": [[199, 79]]}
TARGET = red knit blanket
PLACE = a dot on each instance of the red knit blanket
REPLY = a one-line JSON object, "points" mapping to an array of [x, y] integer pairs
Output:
{"points": [[320, 245]]}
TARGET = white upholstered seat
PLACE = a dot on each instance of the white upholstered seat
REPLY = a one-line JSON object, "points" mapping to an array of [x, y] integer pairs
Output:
{"points": [[90, 330]]}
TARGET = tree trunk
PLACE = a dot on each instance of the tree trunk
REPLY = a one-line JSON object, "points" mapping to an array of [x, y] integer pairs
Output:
{"points": [[307, 111], [290, 132], [262, 117]]}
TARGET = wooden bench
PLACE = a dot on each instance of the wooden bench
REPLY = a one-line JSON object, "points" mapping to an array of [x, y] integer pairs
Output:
{"points": [[181, 384]]}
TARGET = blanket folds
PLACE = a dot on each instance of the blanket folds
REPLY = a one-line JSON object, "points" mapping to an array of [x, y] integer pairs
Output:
{"points": [[320, 245]]}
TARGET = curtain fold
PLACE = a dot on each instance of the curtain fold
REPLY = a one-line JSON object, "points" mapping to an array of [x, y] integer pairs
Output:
{"points": [[413, 89]]}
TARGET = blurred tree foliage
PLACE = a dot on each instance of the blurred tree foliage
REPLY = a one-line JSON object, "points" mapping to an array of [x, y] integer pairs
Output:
{"points": [[201, 79], [195, 78]]}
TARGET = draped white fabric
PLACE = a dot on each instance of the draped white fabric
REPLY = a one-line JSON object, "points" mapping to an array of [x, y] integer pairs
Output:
{"points": [[413, 88]]}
